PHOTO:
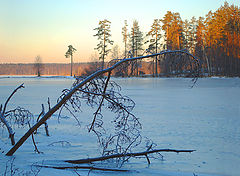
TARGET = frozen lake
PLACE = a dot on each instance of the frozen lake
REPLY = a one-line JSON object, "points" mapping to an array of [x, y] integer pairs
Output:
{"points": [[205, 118]]}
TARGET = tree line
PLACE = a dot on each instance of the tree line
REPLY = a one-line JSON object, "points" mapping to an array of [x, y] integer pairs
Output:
{"points": [[54, 69], [213, 39]]}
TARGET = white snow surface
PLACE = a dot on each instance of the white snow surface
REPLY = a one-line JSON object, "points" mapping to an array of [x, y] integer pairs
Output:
{"points": [[205, 118]]}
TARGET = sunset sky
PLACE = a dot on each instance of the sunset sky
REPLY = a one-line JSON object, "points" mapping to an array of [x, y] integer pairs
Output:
{"points": [[46, 27]]}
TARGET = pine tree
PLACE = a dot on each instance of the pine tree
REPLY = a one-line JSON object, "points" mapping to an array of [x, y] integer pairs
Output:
{"points": [[103, 34], [192, 35], [167, 23], [69, 53], [172, 25], [176, 31], [222, 40], [189, 34], [201, 46], [186, 34], [125, 37], [154, 42], [173, 28], [136, 42]]}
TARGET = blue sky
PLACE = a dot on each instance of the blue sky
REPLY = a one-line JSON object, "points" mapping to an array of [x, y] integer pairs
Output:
{"points": [[46, 27]]}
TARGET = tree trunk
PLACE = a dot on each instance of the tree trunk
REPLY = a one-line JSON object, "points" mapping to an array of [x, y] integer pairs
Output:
{"points": [[10, 131], [156, 61], [71, 63]]}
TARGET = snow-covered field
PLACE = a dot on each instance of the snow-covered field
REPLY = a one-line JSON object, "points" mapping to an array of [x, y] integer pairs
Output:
{"points": [[205, 118]]}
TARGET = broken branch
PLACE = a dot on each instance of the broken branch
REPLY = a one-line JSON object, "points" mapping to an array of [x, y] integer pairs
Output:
{"points": [[102, 158], [5, 105], [84, 167]]}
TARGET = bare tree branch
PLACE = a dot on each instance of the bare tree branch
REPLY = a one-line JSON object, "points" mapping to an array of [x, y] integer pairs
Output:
{"points": [[102, 158], [18, 115], [33, 140], [85, 167], [5, 105], [100, 105]]}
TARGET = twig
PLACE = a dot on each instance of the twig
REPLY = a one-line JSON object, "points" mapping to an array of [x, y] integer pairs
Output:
{"points": [[148, 160], [73, 115], [34, 143], [45, 123], [49, 106], [46, 129], [100, 105], [75, 171], [41, 113]]}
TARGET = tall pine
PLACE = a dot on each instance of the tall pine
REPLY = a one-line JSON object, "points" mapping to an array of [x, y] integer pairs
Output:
{"points": [[103, 35], [154, 42], [136, 43], [125, 37]]}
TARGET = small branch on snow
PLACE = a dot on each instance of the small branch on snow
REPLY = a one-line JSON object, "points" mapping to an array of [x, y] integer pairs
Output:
{"points": [[102, 158], [63, 143], [84, 167]]}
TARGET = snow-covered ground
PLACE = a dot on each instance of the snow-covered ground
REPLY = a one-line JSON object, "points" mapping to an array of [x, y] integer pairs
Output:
{"points": [[205, 118]]}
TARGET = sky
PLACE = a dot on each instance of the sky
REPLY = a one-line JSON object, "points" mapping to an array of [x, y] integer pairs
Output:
{"points": [[46, 27]]}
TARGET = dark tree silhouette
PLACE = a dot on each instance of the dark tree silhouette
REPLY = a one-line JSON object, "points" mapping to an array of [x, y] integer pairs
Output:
{"points": [[69, 53], [38, 65]]}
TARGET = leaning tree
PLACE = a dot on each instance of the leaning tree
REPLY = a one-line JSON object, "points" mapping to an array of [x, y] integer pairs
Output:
{"points": [[100, 92]]}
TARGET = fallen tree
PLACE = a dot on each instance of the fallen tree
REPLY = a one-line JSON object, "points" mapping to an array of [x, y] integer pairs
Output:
{"points": [[99, 91]]}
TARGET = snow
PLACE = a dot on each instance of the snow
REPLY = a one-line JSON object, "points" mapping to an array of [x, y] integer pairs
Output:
{"points": [[204, 118]]}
